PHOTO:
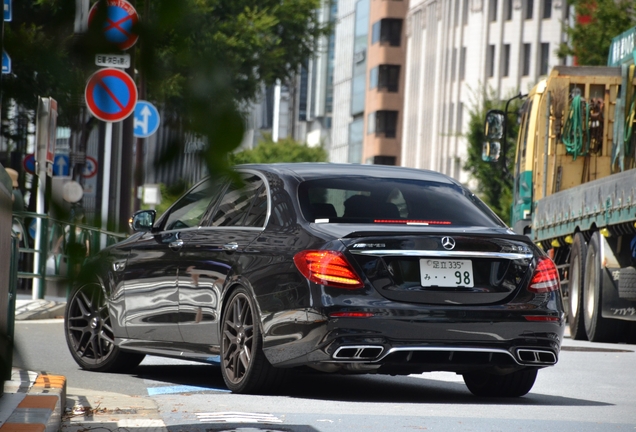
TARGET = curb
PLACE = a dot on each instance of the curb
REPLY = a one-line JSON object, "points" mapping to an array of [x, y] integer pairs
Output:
{"points": [[40, 410], [38, 309]]}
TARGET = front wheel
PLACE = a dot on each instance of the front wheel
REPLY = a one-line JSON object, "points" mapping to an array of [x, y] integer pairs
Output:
{"points": [[89, 334], [514, 384], [244, 366]]}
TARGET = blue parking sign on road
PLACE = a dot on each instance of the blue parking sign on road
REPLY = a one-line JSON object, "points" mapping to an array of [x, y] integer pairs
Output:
{"points": [[146, 119]]}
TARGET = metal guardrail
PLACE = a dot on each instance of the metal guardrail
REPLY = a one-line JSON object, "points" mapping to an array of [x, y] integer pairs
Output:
{"points": [[56, 255]]}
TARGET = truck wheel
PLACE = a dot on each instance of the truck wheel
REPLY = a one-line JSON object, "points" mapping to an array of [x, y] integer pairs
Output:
{"points": [[578, 253], [514, 384], [598, 329]]}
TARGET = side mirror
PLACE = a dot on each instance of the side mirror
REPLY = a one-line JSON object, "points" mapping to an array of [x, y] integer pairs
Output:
{"points": [[143, 220], [491, 151], [494, 125]]}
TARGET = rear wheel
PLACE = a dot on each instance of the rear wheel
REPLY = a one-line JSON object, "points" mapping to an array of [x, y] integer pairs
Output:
{"points": [[514, 384], [244, 366], [578, 253], [598, 329], [89, 334]]}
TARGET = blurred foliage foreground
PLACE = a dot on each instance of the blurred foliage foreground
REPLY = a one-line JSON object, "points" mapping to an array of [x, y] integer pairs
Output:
{"points": [[201, 61]]}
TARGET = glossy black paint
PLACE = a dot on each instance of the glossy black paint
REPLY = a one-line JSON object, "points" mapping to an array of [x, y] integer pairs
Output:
{"points": [[167, 289]]}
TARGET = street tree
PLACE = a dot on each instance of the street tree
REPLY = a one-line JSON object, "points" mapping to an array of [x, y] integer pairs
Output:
{"points": [[284, 150], [597, 22], [494, 181]]}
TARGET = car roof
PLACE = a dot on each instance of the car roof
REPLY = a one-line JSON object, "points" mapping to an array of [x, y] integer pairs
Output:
{"points": [[313, 170]]}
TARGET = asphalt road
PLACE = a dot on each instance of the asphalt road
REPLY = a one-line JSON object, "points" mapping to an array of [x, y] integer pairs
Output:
{"points": [[592, 388]]}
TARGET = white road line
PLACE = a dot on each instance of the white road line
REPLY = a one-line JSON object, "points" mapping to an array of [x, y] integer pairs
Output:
{"points": [[237, 417]]}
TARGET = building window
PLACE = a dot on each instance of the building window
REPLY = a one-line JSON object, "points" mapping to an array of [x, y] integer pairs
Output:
{"points": [[547, 9], [388, 30], [373, 78], [529, 5], [490, 61], [359, 78], [545, 58], [356, 136], [460, 118], [382, 160], [465, 12], [492, 10], [383, 122], [389, 78], [508, 10], [505, 61], [454, 64], [526, 59], [462, 64]]}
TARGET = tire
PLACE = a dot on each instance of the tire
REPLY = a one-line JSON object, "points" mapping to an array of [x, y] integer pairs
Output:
{"points": [[515, 384], [578, 253], [597, 328], [244, 367], [89, 334]]}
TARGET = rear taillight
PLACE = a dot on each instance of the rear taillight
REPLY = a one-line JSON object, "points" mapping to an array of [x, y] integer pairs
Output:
{"points": [[327, 268], [545, 277]]}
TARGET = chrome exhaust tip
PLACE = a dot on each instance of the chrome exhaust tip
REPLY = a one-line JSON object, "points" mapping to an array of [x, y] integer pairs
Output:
{"points": [[532, 356], [358, 352]]}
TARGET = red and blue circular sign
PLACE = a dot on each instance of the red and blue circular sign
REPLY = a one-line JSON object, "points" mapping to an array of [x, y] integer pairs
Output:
{"points": [[121, 18], [111, 94]]}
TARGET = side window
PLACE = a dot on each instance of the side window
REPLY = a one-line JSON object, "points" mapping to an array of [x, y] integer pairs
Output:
{"points": [[189, 210], [246, 206]]}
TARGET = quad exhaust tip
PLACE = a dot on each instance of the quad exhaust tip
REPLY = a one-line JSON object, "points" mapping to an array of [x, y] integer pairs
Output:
{"points": [[358, 352], [536, 356]]}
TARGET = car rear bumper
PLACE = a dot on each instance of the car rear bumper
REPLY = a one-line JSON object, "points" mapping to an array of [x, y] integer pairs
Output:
{"points": [[434, 342]]}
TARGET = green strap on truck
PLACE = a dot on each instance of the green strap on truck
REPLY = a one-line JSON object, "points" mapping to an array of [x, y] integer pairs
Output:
{"points": [[576, 132]]}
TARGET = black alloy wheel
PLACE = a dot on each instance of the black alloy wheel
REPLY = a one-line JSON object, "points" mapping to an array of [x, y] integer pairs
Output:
{"points": [[89, 333], [514, 384], [244, 366], [578, 253]]}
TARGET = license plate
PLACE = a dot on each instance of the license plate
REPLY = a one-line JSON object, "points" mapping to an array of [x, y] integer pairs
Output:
{"points": [[446, 273]]}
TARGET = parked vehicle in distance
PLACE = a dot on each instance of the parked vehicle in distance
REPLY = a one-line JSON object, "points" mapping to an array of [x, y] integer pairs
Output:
{"points": [[341, 268]]}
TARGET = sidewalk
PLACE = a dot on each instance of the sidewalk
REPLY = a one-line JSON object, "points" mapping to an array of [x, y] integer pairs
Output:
{"points": [[28, 309]]}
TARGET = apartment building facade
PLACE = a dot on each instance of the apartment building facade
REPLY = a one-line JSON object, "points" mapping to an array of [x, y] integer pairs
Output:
{"points": [[368, 87], [457, 48]]}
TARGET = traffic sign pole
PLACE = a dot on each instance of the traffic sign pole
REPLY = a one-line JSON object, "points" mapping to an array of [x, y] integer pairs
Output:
{"points": [[108, 140]]}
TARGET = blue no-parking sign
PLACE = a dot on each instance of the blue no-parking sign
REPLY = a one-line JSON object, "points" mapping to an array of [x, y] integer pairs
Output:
{"points": [[111, 94], [121, 18], [146, 119], [29, 163]]}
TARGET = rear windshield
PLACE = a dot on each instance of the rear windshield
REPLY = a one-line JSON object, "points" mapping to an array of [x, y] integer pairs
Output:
{"points": [[392, 201]]}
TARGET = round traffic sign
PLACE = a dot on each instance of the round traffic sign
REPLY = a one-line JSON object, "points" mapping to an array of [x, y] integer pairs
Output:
{"points": [[90, 167], [121, 18], [111, 94], [29, 163], [146, 119]]}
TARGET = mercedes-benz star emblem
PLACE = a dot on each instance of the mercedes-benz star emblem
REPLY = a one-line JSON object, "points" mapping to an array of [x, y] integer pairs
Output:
{"points": [[448, 243]]}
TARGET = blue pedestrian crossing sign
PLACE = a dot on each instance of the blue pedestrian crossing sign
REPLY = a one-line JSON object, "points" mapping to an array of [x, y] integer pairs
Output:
{"points": [[146, 119], [60, 165], [6, 63]]}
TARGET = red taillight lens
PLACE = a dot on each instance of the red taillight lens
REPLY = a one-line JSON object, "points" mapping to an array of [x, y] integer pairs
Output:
{"points": [[327, 268], [351, 315], [545, 277]]}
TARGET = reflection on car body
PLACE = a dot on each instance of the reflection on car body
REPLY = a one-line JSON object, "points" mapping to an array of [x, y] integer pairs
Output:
{"points": [[342, 268]]}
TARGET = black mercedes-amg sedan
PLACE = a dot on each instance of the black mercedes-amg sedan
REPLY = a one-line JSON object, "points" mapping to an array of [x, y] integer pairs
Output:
{"points": [[340, 268]]}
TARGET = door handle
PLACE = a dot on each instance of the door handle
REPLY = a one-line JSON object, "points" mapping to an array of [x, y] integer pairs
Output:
{"points": [[176, 245], [230, 247]]}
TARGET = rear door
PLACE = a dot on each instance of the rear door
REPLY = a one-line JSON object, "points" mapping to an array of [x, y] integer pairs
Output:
{"points": [[215, 253]]}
